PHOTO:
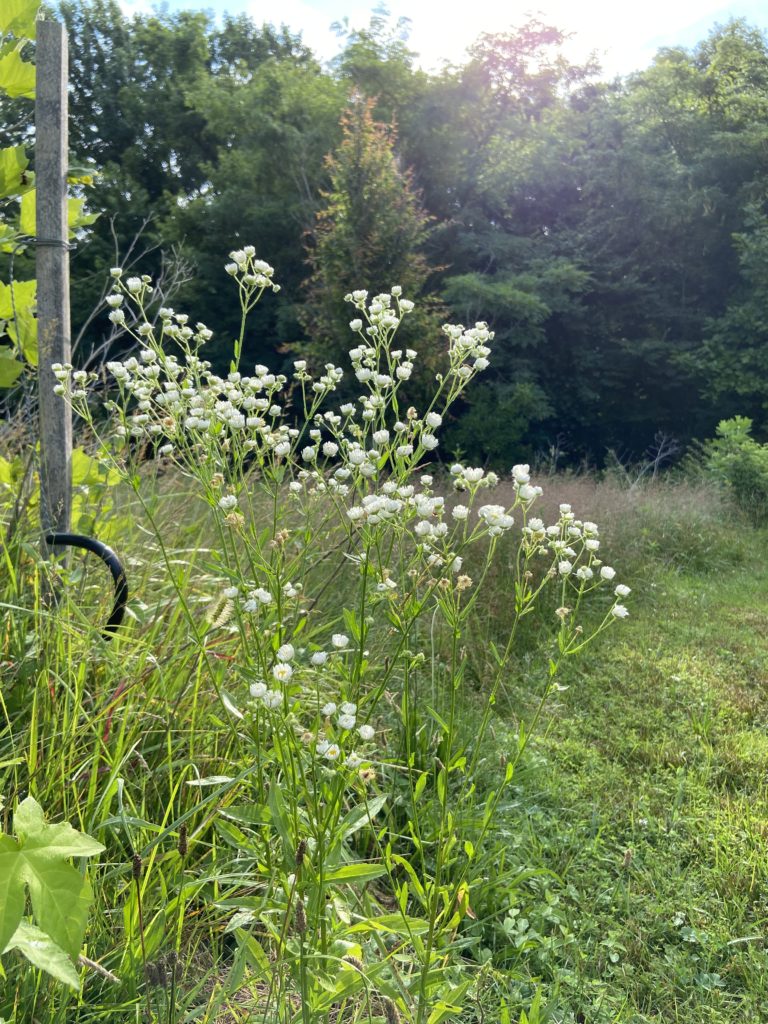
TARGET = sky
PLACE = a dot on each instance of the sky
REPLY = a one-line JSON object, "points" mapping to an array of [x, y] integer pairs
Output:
{"points": [[624, 36]]}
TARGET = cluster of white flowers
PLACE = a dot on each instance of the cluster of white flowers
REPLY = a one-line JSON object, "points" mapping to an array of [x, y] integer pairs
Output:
{"points": [[71, 383], [365, 450], [468, 348], [251, 273], [335, 726], [181, 402], [472, 478], [574, 544], [496, 518], [257, 598], [525, 490]]}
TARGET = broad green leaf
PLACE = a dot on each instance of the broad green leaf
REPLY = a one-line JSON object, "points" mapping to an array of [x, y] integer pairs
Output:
{"points": [[9, 240], [76, 216], [12, 896], [13, 163], [88, 470], [42, 951], [19, 17], [51, 841], [23, 330], [28, 216], [17, 76], [21, 296], [10, 368], [59, 894]]}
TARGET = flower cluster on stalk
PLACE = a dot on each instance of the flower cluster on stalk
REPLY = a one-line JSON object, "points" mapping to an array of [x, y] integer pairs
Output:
{"points": [[365, 456]]}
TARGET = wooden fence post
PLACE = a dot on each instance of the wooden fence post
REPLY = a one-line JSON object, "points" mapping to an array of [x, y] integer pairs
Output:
{"points": [[53, 320]]}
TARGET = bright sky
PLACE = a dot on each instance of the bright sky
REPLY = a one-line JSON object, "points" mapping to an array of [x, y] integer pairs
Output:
{"points": [[624, 35]]}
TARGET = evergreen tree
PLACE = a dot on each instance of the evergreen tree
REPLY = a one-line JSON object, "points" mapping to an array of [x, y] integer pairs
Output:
{"points": [[369, 234]]}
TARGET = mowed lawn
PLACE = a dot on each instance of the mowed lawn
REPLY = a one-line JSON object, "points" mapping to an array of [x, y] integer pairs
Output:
{"points": [[647, 799]]}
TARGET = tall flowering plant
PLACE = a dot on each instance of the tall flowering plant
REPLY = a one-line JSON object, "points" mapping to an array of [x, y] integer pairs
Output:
{"points": [[348, 576]]}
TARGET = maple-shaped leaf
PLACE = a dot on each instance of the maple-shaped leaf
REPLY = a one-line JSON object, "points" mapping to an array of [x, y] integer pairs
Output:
{"points": [[37, 861]]}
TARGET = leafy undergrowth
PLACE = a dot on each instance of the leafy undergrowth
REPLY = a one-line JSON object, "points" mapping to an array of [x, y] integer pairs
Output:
{"points": [[625, 879]]}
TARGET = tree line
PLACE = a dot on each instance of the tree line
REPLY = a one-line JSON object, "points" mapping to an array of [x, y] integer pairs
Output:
{"points": [[614, 234]]}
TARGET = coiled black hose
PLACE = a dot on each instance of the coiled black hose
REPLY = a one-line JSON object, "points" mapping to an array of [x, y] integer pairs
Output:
{"points": [[110, 559]]}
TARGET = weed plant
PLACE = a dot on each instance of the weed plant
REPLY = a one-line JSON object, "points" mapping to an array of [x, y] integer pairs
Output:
{"points": [[296, 785]]}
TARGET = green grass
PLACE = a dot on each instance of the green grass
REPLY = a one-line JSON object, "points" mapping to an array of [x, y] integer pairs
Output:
{"points": [[625, 877], [650, 805]]}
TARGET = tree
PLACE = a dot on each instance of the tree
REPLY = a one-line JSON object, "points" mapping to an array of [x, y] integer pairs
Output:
{"points": [[369, 234]]}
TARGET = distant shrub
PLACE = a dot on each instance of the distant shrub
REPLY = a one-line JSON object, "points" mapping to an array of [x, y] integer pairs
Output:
{"points": [[740, 464]]}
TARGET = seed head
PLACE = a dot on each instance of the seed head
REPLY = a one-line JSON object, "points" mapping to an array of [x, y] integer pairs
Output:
{"points": [[300, 918], [301, 850], [391, 1012]]}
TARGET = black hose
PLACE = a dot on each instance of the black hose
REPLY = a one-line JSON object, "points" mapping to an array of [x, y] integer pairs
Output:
{"points": [[110, 559]]}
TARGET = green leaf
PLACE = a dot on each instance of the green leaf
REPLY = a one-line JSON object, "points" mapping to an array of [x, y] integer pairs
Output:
{"points": [[51, 840], [247, 815], [23, 330], [88, 470], [282, 822], [19, 17], [394, 924], [359, 816], [22, 295], [17, 76], [42, 952], [12, 897], [13, 163], [77, 217], [211, 780], [350, 621], [443, 1011], [9, 240], [59, 894], [28, 217], [10, 368], [350, 873]]}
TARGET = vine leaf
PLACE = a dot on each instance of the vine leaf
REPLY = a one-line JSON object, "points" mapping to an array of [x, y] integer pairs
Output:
{"points": [[42, 951], [17, 76], [37, 862], [18, 17]]}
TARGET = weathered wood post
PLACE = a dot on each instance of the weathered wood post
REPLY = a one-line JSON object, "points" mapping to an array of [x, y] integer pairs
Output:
{"points": [[53, 320]]}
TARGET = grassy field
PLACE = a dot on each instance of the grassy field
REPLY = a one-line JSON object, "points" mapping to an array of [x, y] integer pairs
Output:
{"points": [[646, 797], [623, 878]]}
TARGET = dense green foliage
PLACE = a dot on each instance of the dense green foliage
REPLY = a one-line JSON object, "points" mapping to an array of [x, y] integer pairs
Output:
{"points": [[739, 463], [625, 878], [612, 233]]}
